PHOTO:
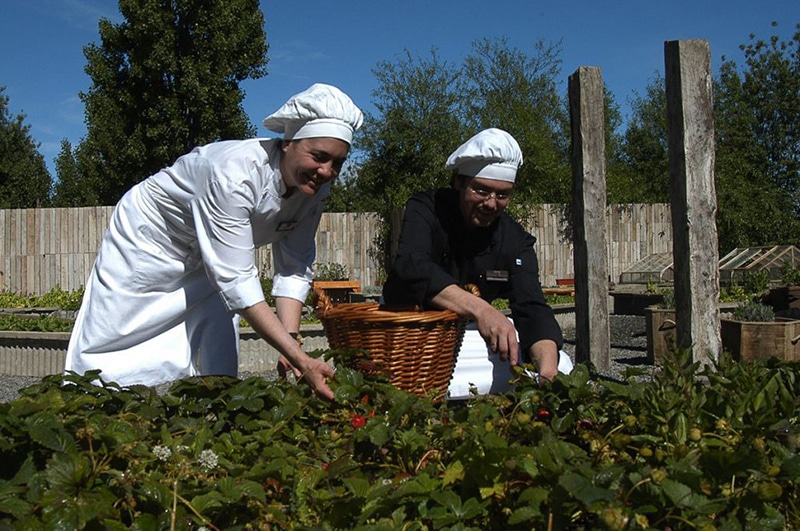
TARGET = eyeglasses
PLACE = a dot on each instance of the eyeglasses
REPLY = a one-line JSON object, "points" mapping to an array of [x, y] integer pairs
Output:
{"points": [[485, 194]]}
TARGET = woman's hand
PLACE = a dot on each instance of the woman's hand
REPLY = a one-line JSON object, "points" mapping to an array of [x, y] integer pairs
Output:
{"points": [[313, 371], [316, 374]]}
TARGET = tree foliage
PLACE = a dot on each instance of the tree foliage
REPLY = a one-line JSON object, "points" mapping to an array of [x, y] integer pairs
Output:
{"points": [[518, 92], [758, 145], [644, 152], [164, 81], [72, 189], [405, 146], [428, 107], [757, 167], [24, 179]]}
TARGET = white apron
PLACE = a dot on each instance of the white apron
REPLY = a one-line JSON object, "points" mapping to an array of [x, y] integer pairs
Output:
{"points": [[477, 367], [177, 263]]}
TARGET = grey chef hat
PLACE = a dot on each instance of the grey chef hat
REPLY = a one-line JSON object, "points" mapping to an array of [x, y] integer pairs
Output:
{"points": [[319, 111], [491, 154]]}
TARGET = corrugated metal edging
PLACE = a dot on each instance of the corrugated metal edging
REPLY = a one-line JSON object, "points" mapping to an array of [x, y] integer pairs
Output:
{"points": [[42, 353]]}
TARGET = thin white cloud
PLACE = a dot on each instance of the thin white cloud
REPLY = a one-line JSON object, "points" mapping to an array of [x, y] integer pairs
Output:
{"points": [[81, 14], [296, 52], [71, 109]]}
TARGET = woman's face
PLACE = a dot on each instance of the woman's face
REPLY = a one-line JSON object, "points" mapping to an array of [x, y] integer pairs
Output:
{"points": [[309, 163], [482, 200]]}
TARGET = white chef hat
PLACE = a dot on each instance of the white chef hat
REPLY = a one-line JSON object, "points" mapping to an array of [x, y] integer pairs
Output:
{"points": [[319, 111], [491, 154]]}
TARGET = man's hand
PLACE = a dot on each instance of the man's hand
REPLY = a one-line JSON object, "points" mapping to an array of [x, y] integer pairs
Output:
{"points": [[545, 354], [500, 334], [494, 327]]}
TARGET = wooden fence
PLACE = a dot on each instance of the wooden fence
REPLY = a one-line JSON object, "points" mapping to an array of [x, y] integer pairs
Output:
{"points": [[48, 247]]}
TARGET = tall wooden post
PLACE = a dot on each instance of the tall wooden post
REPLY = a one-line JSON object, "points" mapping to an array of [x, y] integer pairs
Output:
{"points": [[692, 197], [592, 338]]}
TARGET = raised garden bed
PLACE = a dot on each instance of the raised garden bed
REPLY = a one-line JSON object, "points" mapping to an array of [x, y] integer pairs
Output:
{"points": [[633, 303], [756, 340], [660, 330], [42, 353]]}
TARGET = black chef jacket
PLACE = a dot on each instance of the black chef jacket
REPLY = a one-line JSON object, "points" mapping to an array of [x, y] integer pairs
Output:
{"points": [[437, 249]]}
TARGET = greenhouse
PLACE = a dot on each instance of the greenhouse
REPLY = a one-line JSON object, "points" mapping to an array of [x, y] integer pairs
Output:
{"points": [[738, 264], [653, 269], [735, 266]]}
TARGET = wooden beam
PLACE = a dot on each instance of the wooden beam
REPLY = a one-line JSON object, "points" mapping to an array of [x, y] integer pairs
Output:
{"points": [[586, 104], [693, 197]]}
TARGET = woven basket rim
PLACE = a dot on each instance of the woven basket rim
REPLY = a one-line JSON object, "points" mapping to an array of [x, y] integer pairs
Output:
{"points": [[373, 312]]}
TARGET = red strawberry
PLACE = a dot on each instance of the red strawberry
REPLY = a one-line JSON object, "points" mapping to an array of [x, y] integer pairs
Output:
{"points": [[358, 421]]}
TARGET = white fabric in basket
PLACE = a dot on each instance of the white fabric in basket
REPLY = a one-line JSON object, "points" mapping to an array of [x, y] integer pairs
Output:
{"points": [[477, 367]]}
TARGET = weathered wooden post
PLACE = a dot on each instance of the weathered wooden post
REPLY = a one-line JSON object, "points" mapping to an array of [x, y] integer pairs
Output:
{"points": [[692, 197], [592, 339]]}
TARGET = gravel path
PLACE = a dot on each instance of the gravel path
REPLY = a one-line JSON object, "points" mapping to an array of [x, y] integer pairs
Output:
{"points": [[628, 344], [628, 348]]}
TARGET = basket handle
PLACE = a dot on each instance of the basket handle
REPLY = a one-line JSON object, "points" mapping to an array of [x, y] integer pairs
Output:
{"points": [[472, 288], [668, 324], [322, 301]]}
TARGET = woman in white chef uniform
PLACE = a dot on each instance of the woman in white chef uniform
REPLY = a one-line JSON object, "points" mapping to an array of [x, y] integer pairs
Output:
{"points": [[176, 268]]}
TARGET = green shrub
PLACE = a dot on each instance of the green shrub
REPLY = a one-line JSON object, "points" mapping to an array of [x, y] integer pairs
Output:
{"points": [[9, 299], [59, 298], [790, 275], [757, 281], [754, 312], [667, 299], [44, 323], [330, 271], [266, 287], [55, 298], [734, 292]]}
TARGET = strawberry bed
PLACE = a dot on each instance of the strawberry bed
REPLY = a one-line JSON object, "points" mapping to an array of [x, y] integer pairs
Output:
{"points": [[689, 448]]}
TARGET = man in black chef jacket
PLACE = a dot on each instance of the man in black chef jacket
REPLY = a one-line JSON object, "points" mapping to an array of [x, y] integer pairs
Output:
{"points": [[462, 234]]}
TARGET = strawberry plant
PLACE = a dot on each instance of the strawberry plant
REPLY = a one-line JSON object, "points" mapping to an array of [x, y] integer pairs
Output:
{"points": [[692, 447]]}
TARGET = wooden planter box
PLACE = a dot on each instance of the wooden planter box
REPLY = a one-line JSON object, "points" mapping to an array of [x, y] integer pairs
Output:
{"points": [[634, 303], [660, 327], [752, 341], [338, 291]]}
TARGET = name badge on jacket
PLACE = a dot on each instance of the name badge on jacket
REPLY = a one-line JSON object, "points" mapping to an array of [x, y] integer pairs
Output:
{"points": [[496, 275], [284, 226]]}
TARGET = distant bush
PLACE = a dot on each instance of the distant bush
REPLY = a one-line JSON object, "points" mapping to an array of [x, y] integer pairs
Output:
{"points": [[55, 298], [330, 271]]}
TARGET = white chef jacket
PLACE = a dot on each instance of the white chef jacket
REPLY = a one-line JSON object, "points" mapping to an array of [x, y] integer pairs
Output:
{"points": [[177, 263]]}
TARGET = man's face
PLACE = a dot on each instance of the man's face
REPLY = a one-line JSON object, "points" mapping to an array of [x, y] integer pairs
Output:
{"points": [[482, 200], [309, 163]]}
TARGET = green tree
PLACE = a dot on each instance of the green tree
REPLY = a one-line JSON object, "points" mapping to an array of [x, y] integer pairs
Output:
{"points": [[758, 145], [644, 148], [518, 92], [344, 196], [164, 81], [24, 179], [73, 189], [620, 180], [405, 146]]}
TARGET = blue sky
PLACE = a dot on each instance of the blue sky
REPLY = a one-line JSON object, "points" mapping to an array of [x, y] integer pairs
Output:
{"points": [[41, 63]]}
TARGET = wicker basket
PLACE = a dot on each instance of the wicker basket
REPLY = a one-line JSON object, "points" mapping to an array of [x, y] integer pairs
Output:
{"points": [[415, 349]]}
